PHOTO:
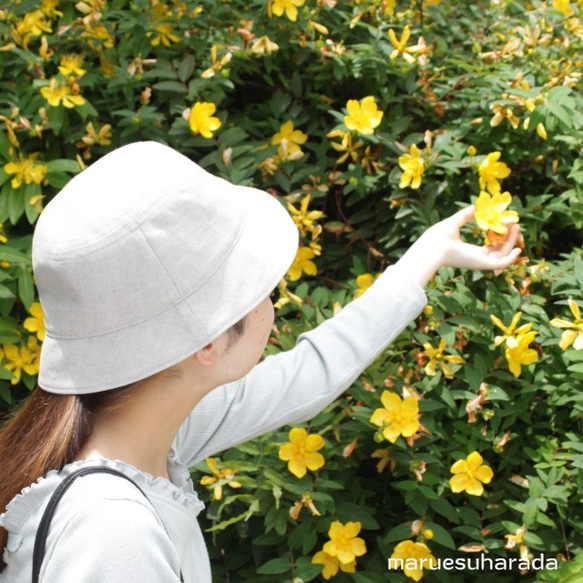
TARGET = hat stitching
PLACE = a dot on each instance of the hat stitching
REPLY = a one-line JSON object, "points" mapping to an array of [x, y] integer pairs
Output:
{"points": [[153, 370], [181, 299], [110, 238]]}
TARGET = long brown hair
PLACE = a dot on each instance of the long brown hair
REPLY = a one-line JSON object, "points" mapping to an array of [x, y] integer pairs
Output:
{"points": [[47, 432]]}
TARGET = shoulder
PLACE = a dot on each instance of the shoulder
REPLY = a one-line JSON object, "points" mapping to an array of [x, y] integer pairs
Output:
{"points": [[111, 528]]}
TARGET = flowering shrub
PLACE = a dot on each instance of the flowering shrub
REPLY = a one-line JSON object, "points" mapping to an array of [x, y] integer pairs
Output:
{"points": [[370, 120]]}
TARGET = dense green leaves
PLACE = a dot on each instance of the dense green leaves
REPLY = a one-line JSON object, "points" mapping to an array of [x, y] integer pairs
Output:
{"points": [[483, 78]]}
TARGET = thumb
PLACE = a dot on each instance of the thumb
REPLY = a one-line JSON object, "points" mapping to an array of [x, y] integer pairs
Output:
{"points": [[462, 216]]}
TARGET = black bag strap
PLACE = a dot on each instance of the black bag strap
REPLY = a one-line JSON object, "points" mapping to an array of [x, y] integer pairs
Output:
{"points": [[43, 528]]}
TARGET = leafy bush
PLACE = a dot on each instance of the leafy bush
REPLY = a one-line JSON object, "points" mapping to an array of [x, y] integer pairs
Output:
{"points": [[371, 120]]}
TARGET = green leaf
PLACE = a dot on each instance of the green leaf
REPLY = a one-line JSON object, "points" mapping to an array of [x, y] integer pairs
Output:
{"points": [[243, 516], [5, 147], [441, 535], [274, 567], [350, 512], [16, 204], [12, 255], [9, 329], [398, 533], [56, 117], [5, 374], [63, 165], [6, 292], [171, 86], [232, 136], [26, 288], [186, 68], [560, 113], [306, 570]]}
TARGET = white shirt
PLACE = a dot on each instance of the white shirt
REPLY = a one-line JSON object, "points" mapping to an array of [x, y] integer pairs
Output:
{"points": [[106, 531]]}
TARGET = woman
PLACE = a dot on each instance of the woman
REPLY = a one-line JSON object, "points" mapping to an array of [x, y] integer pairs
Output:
{"points": [[155, 279]]}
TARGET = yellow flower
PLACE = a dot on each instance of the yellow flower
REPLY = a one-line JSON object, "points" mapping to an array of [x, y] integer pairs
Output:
{"points": [[346, 146], [344, 544], [398, 417], [472, 150], [332, 564], [515, 539], [201, 119], [401, 47], [303, 264], [491, 213], [491, 171], [574, 332], [303, 219], [289, 141], [32, 24], [517, 340], [541, 131], [164, 35], [414, 557], [98, 35], [219, 478], [364, 281], [26, 171], [285, 296], [71, 65], [502, 112], [3, 238], [34, 349], [301, 452], [516, 542], [384, 457], [289, 6], [44, 51], [49, 7], [96, 136], [36, 323], [437, 357], [563, 6], [264, 45], [363, 116], [518, 353], [20, 359], [413, 166], [470, 474], [57, 92], [510, 330]]}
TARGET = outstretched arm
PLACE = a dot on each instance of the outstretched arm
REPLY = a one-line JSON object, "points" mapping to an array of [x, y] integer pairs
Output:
{"points": [[293, 386]]}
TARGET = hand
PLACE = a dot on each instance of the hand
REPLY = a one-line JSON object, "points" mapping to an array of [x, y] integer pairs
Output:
{"points": [[441, 245]]}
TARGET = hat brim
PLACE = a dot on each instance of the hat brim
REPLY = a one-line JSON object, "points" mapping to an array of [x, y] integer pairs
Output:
{"points": [[266, 247]]}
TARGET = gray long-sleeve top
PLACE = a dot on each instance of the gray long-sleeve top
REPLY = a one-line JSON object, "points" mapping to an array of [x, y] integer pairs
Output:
{"points": [[105, 531]]}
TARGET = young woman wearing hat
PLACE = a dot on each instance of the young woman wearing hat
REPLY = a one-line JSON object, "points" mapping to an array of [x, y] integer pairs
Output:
{"points": [[155, 279]]}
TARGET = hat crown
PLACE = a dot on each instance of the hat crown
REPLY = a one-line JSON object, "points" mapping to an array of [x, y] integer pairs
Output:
{"points": [[130, 236], [143, 259]]}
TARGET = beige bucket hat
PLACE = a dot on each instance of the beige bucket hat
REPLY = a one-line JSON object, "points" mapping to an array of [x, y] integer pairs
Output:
{"points": [[144, 258]]}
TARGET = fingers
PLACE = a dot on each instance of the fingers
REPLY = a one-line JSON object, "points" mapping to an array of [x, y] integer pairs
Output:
{"points": [[503, 261]]}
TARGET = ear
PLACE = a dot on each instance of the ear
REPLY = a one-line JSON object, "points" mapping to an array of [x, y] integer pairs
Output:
{"points": [[207, 355]]}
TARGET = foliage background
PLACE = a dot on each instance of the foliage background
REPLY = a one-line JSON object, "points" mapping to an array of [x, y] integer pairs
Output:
{"points": [[146, 62]]}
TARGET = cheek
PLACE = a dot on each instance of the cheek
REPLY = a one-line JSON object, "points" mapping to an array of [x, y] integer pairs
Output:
{"points": [[265, 321]]}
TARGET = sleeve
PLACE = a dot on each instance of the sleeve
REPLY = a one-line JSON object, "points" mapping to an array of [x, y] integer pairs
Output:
{"points": [[293, 386], [112, 540]]}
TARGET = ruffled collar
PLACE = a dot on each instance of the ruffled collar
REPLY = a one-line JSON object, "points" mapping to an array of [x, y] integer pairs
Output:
{"points": [[32, 498]]}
